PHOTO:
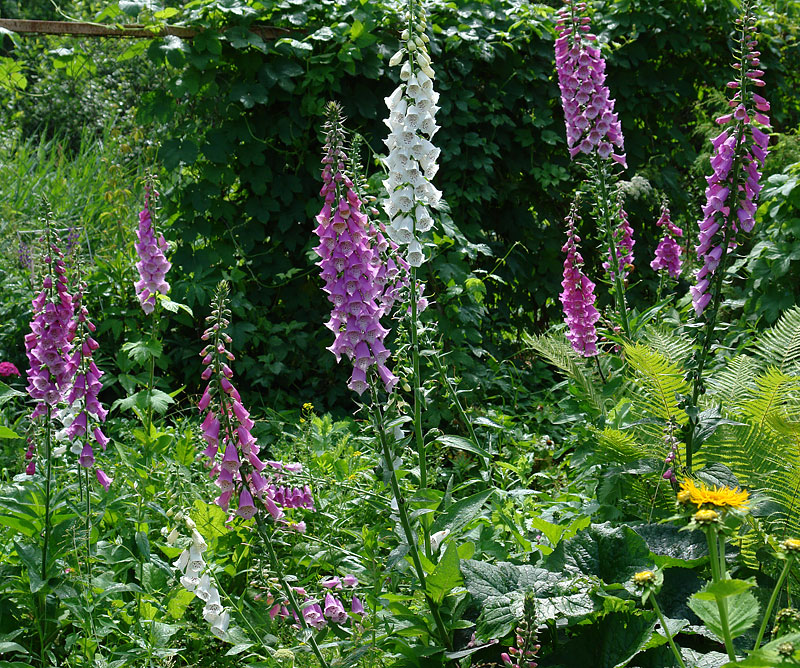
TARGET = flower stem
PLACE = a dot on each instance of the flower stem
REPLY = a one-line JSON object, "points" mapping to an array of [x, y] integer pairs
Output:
{"points": [[444, 636], [287, 590], [671, 642], [454, 397], [721, 604], [604, 207], [420, 439], [47, 486], [149, 413], [772, 600]]}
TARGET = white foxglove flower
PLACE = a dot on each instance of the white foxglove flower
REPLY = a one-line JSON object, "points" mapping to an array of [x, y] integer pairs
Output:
{"points": [[427, 69], [402, 230], [405, 71], [220, 627], [213, 605], [196, 562], [190, 579], [394, 98], [183, 561], [415, 256], [172, 537], [204, 589], [198, 541], [397, 58]]}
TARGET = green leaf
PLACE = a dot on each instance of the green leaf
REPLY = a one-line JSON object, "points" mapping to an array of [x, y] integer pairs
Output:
{"points": [[172, 306], [461, 443], [7, 393], [141, 351], [743, 609], [446, 575], [7, 647], [610, 553], [723, 589], [5, 432], [768, 656], [461, 512], [671, 546], [133, 7], [500, 590]]}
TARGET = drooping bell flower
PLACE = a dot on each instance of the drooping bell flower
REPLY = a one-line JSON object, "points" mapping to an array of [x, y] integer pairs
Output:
{"points": [[623, 245], [577, 296], [593, 127], [153, 264], [412, 161], [350, 264], [668, 252], [739, 152]]}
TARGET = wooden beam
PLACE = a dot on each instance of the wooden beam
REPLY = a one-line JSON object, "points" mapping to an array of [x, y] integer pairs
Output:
{"points": [[130, 31]]}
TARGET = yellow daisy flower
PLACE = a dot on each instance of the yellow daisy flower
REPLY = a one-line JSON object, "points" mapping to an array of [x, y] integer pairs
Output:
{"points": [[719, 497]]}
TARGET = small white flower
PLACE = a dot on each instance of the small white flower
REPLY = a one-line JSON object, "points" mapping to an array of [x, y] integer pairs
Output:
{"points": [[182, 561], [415, 256], [395, 179], [172, 537], [412, 87], [430, 170], [413, 174], [396, 59], [394, 98], [220, 627], [204, 588], [60, 451], [213, 605], [198, 541], [405, 71], [437, 538], [190, 580], [404, 199], [196, 562], [428, 126], [190, 523], [425, 83]]}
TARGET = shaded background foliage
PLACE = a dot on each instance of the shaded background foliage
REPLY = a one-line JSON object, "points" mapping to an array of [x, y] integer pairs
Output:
{"points": [[238, 122]]}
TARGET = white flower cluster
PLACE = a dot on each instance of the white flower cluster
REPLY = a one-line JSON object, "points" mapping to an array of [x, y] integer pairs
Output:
{"points": [[196, 579], [412, 157]]}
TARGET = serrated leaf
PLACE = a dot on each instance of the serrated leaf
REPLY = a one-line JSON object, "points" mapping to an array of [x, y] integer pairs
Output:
{"points": [[141, 351], [173, 306], [743, 609], [723, 589]]}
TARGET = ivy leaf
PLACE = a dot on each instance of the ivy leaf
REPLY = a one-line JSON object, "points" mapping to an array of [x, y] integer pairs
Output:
{"points": [[446, 576]]}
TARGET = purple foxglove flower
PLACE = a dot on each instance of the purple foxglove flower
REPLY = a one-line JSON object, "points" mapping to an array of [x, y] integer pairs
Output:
{"points": [[246, 508], [313, 616], [348, 264], [578, 296], [350, 580], [356, 607], [624, 243], [87, 456], [669, 251], [739, 153], [152, 265], [332, 583], [592, 124], [103, 479], [334, 610]]}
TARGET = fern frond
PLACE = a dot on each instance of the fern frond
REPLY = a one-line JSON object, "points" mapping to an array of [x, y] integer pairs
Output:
{"points": [[658, 381], [780, 345], [673, 347], [557, 350], [735, 383]]}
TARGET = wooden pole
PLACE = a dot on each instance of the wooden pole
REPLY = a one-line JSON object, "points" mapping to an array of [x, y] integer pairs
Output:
{"points": [[136, 31]]}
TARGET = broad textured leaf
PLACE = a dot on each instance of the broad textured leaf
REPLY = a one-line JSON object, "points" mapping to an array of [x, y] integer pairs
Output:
{"points": [[672, 547], [500, 590], [610, 553], [743, 612]]}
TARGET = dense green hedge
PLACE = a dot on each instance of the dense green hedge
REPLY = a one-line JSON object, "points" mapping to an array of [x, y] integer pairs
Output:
{"points": [[241, 145]]}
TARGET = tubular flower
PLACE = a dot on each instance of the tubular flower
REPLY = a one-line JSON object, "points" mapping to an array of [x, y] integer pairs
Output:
{"points": [[152, 265], [669, 251], [231, 449], [195, 578], [592, 124], [412, 157], [623, 243], [739, 152], [355, 278], [49, 343], [84, 411], [578, 296]]}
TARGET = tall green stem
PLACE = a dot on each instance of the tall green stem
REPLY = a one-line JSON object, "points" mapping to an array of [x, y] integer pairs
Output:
{"points": [[411, 540], [287, 590], [47, 488], [604, 207], [671, 642], [151, 378], [722, 606], [772, 600]]}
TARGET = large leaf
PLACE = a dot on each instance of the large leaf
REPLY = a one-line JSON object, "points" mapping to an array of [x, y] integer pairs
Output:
{"points": [[742, 607], [500, 590], [446, 576], [610, 553], [461, 512], [671, 546]]}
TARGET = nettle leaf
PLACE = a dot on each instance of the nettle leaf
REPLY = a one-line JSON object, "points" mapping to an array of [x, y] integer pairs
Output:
{"points": [[743, 609], [610, 553], [500, 591], [672, 547], [141, 351], [446, 576]]}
